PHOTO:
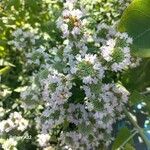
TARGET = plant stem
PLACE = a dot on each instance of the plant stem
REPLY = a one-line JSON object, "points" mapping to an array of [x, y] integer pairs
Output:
{"points": [[139, 129]]}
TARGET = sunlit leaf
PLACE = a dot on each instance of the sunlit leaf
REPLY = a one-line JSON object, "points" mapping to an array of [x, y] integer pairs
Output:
{"points": [[136, 22]]}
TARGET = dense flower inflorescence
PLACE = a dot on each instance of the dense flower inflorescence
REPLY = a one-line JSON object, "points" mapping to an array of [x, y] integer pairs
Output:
{"points": [[72, 85], [81, 65], [23, 38]]}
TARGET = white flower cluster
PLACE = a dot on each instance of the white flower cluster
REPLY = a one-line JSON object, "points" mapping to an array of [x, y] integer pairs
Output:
{"points": [[79, 99], [70, 22], [37, 56], [14, 122], [55, 93], [43, 139], [23, 39], [115, 48], [9, 144], [89, 68]]}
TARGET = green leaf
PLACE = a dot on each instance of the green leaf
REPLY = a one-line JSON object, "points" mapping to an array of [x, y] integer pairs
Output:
{"points": [[137, 78], [15, 3], [20, 89], [129, 147], [146, 99], [4, 70], [6, 63], [136, 22], [65, 125], [135, 98], [122, 136]]}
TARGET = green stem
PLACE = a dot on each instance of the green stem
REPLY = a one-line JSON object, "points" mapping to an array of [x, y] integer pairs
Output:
{"points": [[145, 92], [139, 129]]}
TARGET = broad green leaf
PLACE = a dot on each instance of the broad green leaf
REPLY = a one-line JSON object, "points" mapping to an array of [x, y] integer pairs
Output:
{"points": [[122, 136], [136, 22], [137, 78], [129, 147]]}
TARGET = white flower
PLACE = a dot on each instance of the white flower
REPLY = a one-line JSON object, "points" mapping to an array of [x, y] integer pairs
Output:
{"points": [[17, 32], [90, 58], [129, 40], [75, 31], [66, 13], [15, 121], [69, 4], [77, 13], [23, 124], [107, 50], [87, 80], [73, 70], [87, 91], [2, 126], [64, 28], [43, 139], [9, 144]]}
